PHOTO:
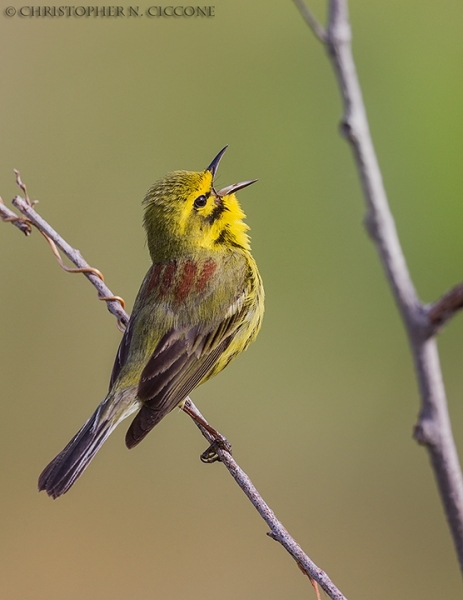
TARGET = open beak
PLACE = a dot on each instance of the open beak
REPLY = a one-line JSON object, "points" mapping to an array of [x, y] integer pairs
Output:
{"points": [[231, 189], [215, 163]]}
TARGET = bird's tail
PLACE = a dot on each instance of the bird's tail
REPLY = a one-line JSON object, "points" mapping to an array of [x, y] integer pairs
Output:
{"points": [[68, 466]]}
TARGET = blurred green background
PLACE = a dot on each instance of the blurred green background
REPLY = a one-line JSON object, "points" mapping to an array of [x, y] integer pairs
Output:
{"points": [[320, 410]]}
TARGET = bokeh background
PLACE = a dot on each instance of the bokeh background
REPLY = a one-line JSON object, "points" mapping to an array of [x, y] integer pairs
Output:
{"points": [[320, 410]]}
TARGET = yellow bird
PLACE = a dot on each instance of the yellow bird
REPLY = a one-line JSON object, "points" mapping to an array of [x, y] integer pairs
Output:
{"points": [[199, 306]]}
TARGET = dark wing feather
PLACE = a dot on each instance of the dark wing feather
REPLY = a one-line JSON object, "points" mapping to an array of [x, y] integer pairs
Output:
{"points": [[167, 399], [164, 365], [179, 363]]}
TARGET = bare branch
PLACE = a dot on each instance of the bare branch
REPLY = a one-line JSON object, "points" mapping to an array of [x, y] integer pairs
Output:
{"points": [[277, 531], [433, 428]]}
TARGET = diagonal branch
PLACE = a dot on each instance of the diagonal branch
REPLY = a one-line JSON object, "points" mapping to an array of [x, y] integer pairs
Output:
{"points": [[277, 530], [115, 306], [433, 428]]}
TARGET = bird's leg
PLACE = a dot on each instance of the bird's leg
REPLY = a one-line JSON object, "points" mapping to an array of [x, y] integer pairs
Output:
{"points": [[210, 454]]}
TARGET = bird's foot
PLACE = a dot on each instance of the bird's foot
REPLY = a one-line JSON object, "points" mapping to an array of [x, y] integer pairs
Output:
{"points": [[210, 455]]}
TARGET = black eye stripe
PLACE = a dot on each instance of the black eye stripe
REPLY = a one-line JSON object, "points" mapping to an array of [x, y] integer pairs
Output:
{"points": [[200, 202]]}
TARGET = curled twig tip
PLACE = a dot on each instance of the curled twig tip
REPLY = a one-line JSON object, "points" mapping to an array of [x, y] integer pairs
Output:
{"points": [[22, 185]]}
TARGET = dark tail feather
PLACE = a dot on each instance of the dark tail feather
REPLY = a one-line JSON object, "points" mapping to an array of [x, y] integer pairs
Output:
{"points": [[62, 472]]}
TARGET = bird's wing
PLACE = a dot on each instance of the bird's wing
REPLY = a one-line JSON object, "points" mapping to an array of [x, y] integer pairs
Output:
{"points": [[180, 361], [153, 307]]}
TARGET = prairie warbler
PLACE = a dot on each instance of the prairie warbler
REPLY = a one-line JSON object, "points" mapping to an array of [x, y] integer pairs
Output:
{"points": [[199, 306]]}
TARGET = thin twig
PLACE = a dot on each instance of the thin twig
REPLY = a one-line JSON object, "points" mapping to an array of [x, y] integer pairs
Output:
{"points": [[433, 428], [311, 20], [277, 531]]}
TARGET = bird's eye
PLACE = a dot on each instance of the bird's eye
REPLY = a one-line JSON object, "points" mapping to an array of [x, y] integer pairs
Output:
{"points": [[200, 202]]}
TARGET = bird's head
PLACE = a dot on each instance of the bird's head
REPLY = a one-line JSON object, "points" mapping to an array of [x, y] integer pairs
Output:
{"points": [[184, 212]]}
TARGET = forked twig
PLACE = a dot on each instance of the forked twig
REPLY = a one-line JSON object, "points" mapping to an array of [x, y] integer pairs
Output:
{"points": [[433, 428]]}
